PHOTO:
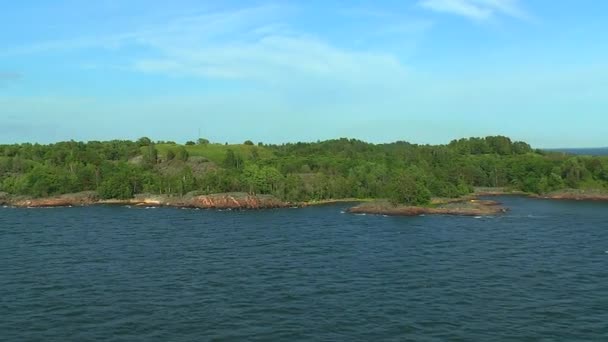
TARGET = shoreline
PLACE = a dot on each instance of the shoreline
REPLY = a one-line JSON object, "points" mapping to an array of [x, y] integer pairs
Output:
{"points": [[316, 203], [213, 201], [468, 205], [596, 195], [452, 207]]}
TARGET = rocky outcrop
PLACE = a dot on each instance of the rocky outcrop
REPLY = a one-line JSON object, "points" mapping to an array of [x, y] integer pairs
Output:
{"points": [[566, 194], [235, 201], [138, 200], [497, 191], [577, 195], [68, 200], [216, 201], [4, 198], [468, 207]]}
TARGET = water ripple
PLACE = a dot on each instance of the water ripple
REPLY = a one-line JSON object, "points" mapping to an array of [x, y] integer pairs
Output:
{"points": [[124, 274]]}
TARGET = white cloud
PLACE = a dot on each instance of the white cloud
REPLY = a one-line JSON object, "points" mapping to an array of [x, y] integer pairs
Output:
{"points": [[249, 44], [272, 58], [476, 9], [254, 44]]}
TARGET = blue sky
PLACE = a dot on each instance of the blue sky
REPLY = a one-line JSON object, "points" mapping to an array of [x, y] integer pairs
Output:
{"points": [[425, 71]]}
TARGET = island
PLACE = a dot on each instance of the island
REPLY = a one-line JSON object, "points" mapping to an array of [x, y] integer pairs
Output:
{"points": [[396, 178], [456, 207]]}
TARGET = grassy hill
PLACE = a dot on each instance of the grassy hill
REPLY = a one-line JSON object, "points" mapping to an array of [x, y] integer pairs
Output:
{"points": [[217, 152]]}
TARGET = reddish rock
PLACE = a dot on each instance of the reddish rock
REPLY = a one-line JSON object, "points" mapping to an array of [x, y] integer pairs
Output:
{"points": [[235, 201], [458, 208], [216, 201]]}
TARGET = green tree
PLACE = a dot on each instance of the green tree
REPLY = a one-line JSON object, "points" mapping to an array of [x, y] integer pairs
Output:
{"points": [[182, 154], [232, 160], [150, 155], [409, 190], [144, 141]]}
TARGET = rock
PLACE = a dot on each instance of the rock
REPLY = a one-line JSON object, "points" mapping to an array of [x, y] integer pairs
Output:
{"points": [[67, 200], [4, 198], [577, 195], [215, 201], [236, 201], [465, 207]]}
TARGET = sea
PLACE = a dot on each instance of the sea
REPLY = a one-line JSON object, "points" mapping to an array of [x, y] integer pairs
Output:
{"points": [[103, 273]]}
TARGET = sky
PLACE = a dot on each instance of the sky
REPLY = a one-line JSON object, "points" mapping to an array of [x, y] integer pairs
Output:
{"points": [[424, 71]]}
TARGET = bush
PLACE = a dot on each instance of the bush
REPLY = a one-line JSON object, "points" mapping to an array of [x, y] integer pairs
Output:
{"points": [[408, 190], [170, 155], [115, 188]]}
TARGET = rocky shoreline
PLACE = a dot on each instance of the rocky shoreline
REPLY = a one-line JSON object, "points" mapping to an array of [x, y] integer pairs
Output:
{"points": [[567, 194], [215, 201], [576, 196], [469, 205], [460, 207]]}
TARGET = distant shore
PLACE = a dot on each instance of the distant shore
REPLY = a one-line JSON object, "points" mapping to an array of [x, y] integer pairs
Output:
{"points": [[565, 194]]}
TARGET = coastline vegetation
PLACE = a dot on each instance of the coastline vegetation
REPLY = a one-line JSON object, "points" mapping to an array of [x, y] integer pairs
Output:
{"points": [[401, 172]]}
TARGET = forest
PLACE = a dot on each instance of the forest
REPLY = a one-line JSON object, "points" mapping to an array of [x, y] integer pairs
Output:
{"points": [[333, 169]]}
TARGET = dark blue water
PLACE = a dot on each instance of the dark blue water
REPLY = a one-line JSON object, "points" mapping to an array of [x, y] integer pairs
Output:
{"points": [[540, 273]]}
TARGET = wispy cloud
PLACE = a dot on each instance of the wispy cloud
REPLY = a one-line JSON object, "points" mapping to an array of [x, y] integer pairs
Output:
{"points": [[366, 12], [243, 44], [271, 58], [477, 9], [254, 44]]}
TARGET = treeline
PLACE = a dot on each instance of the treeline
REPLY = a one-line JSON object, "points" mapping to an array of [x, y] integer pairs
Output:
{"points": [[342, 168]]}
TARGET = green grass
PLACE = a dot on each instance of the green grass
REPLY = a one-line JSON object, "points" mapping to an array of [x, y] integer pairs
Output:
{"points": [[217, 152]]}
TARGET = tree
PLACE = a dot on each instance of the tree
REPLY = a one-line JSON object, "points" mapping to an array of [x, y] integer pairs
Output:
{"points": [[573, 172], [232, 160], [190, 143], [150, 155], [339, 168], [182, 154], [120, 181], [144, 141], [202, 141], [500, 145], [409, 190], [248, 143]]}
